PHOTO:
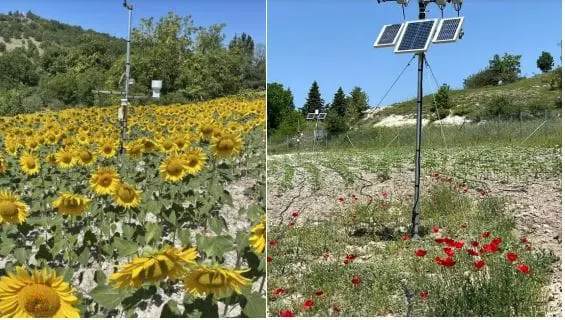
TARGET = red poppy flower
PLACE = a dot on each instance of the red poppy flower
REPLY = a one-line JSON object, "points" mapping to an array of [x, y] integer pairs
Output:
{"points": [[475, 243], [345, 261], [341, 199], [523, 268], [286, 313], [337, 309], [356, 280], [447, 262], [485, 234], [483, 193], [272, 243], [465, 190], [424, 294], [385, 194], [472, 252], [497, 240], [354, 197], [434, 202], [350, 257], [326, 256], [528, 248], [449, 251], [382, 205], [353, 217], [435, 174], [319, 293], [439, 240], [290, 224], [435, 229], [491, 247], [511, 256], [278, 291], [479, 264], [295, 214], [405, 237], [308, 304], [524, 240], [269, 259], [458, 244], [421, 253], [464, 225], [450, 180]]}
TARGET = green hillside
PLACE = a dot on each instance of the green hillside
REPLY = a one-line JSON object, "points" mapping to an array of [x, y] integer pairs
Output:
{"points": [[531, 96]]}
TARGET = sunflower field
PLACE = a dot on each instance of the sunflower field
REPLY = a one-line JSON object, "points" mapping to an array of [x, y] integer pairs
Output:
{"points": [[173, 225]]}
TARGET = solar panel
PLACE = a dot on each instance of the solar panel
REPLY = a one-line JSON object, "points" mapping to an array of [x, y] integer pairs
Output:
{"points": [[388, 36], [310, 116], [321, 116], [416, 36], [449, 30]]}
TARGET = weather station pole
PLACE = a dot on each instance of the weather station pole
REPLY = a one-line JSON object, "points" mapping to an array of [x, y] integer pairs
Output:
{"points": [[416, 37], [123, 111]]}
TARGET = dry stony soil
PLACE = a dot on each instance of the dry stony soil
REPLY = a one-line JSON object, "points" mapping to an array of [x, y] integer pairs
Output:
{"points": [[531, 184]]}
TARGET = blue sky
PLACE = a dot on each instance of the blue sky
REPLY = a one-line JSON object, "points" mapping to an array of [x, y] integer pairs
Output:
{"points": [[331, 41], [109, 16]]}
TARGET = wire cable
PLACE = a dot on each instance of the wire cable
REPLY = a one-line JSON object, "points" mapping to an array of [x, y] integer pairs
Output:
{"points": [[394, 83], [435, 103]]}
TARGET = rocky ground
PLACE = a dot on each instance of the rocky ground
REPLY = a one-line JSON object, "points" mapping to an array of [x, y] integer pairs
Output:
{"points": [[536, 204]]}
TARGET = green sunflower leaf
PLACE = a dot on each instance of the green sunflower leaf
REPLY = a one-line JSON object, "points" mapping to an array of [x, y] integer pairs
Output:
{"points": [[255, 306], [108, 297], [125, 248]]}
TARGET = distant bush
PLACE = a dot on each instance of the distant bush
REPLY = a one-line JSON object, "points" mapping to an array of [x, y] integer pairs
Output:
{"points": [[556, 79], [486, 77]]}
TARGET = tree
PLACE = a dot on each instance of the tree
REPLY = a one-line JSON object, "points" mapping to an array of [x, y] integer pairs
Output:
{"points": [[506, 68], [441, 105], [545, 62], [280, 102], [358, 102], [314, 100], [337, 115]]}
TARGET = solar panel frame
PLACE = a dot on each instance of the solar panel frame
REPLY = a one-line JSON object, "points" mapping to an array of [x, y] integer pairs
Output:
{"points": [[428, 38], [322, 116], [455, 34], [310, 116], [382, 34]]}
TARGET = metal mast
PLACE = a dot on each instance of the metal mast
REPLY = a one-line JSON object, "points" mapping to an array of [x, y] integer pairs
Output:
{"points": [[123, 112]]}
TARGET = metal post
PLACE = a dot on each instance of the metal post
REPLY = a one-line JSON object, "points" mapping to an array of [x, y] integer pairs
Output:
{"points": [[416, 208], [124, 105]]}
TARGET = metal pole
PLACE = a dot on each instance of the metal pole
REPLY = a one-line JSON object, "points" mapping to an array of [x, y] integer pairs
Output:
{"points": [[124, 106], [416, 207]]}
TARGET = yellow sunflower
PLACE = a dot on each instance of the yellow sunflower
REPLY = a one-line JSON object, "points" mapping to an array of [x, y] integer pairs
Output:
{"points": [[71, 204], [134, 148], [104, 181], [195, 160], [40, 294], [65, 158], [215, 280], [29, 164], [226, 145], [85, 156], [174, 168], [154, 267], [108, 148], [126, 196], [258, 236], [12, 209]]}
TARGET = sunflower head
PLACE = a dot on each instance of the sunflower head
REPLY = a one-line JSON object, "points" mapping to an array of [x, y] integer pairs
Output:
{"points": [[258, 236], [108, 147], [215, 280], [12, 209], [85, 156], [134, 148], [3, 165], [29, 163], [195, 160], [154, 267], [40, 294], [173, 168], [65, 157], [126, 195], [226, 145], [71, 204], [104, 181]]}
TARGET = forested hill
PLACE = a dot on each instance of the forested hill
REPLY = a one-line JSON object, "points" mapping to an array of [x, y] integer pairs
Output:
{"points": [[48, 64]]}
